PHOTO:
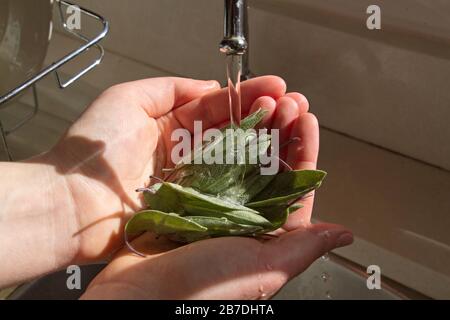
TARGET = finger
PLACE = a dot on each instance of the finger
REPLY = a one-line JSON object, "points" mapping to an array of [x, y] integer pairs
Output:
{"points": [[285, 116], [302, 155], [213, 109], [302, 102], [268, 104], [292, 253], [257, 270], [157, 96]]}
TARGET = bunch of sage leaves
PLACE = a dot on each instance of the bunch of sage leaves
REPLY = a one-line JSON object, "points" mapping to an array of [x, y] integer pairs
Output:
{"points": [[201, 201]]}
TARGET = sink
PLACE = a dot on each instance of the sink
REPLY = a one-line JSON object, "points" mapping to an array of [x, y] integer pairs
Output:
{"points": [[53, 286], [331, 277]]}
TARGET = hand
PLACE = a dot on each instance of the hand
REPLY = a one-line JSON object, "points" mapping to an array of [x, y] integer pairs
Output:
{"points": [[230, 268], [124, 137]]}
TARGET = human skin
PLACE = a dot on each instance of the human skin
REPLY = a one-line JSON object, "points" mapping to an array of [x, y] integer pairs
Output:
{"points": [[69, 205]]}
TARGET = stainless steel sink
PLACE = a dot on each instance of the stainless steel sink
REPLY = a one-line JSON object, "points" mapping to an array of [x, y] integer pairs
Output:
{"points": [[329, 278], [333, 277], [54, 287]]}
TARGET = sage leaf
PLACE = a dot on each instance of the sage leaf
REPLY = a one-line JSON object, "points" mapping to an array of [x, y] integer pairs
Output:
{"points": [[160, 223], [277, 215], [237, 216], [294, 207], [288, 186], [201, 201], [222, 226], [242, 192], [251, 120], [171, 197], [162, 198]]}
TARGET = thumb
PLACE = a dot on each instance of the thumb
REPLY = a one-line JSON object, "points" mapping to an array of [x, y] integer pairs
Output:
{"points": [[158, 96], [293, 252]]}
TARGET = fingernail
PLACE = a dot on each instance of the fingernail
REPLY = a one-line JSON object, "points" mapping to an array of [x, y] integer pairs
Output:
{"points": [[210, 84], [344, 240]]}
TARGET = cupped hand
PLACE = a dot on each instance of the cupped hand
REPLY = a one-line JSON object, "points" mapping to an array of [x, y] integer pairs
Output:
{"points": [[225, 268], [124, 137]]}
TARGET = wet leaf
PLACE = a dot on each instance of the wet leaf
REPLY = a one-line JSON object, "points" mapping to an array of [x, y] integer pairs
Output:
{"points": [[215, 178], [237, 216], [187, 201], [277, 215], [288, 186], [161, 223], [222, 226], [294, 207], [200, 201], [248, 188]]}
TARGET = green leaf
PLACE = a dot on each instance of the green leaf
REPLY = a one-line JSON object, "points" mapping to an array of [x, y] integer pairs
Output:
{"points": [[191, 197], [236, 183], [247, 189], [161, 223], [258, 148], [162, 198], [223, 227], [170, 197], [203, 201], [237, 216], [250, 121], [294, 207], [277, 215], [288, 186], [187, 201], [214, 179]]}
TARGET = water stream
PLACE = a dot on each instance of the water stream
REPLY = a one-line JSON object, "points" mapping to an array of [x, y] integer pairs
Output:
{"points": [[234, 72]]}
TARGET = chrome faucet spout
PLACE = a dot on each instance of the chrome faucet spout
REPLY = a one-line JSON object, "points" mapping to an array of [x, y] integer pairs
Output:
{"points": [[234, 41]]}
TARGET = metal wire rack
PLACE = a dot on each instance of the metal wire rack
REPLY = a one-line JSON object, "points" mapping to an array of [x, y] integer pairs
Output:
{"points": [[54, 67]]}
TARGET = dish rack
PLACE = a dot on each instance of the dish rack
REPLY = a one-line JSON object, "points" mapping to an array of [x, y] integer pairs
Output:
{"points": [[54, 67]]}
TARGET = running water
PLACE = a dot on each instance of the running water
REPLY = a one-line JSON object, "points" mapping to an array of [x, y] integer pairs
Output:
{"points": [[234, 72]]}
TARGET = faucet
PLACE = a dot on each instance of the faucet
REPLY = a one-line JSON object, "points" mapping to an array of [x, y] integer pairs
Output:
{"points": [[235, 40]]}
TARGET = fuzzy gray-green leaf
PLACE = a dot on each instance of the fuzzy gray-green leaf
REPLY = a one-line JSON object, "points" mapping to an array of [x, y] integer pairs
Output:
{"points": [[237, 216], [288, 186], [201, 201], [170, 197], [161, 223], [223, 226]]}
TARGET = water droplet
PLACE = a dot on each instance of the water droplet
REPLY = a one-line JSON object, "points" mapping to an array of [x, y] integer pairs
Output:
{"points": [[326, 234], [325, 257], [262, 293], [328, 295], [325, 277]]}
